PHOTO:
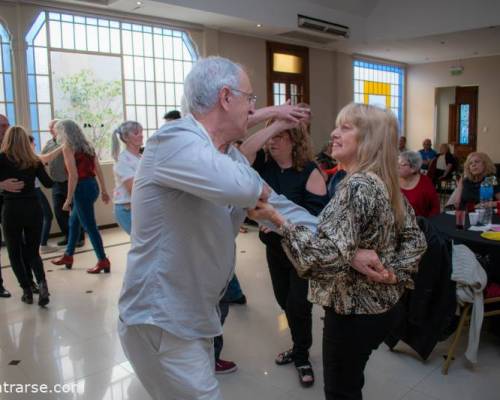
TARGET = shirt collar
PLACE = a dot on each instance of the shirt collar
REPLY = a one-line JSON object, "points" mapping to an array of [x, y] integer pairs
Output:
{"points": [[202, 128]]}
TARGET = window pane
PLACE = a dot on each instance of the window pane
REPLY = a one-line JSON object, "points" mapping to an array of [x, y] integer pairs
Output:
{"points": [[45, 115], [42, 88], [80, 37], [160, 76], [158, 43], [140, 93], [178, 48], [150, 69], [187, 68], [67, 35], [169, 70], [178, 74], [2, 97], [41, 64], [141, 116], [41, 38], [115, 41], [138, 45], [55, 33], [130, 110], [170, 92], [148, 45], [127, 42], [152, 117], [167, 47], [464, 123], [128, 67], [139, 68], [129, 92], [150, 93], [160, 94], [92, 38], [179, 91], [104, 44]]}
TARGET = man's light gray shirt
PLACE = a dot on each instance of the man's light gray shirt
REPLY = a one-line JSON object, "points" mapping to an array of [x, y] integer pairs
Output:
{"points": [[187, 205], [57, 170]]}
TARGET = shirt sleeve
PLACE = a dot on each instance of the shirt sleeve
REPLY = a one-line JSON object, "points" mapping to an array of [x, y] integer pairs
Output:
{"points": [[43, 177], [194, 166], [411, 247], [319, 256]]}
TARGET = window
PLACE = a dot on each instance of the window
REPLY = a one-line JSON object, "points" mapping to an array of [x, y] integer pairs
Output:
{"points": [[288, 73], [6, 83], [464, 123], [381, 85], [101, 72]]}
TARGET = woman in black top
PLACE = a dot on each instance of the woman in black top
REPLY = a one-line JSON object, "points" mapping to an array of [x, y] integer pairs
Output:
{"points": [[21, 213], [287, 167]]}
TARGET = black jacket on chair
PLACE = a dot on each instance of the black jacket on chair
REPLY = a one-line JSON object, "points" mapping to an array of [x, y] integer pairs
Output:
{"points": [[429, 309]]}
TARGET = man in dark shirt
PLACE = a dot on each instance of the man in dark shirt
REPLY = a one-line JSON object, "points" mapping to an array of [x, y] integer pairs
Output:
{"points": [[11, 185]]}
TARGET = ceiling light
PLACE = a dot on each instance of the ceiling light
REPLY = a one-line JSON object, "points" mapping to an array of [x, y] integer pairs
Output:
{"points": [[259, 25], [139, 3]]}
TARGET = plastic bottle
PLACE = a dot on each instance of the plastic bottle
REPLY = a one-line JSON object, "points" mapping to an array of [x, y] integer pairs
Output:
{"points": [[486, 197]]}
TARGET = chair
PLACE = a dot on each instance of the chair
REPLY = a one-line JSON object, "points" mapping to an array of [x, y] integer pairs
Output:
{"points": [[464, 318]]}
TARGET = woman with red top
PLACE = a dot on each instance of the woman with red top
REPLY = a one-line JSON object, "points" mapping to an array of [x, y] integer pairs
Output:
{"points": [[417, 188], [83, 168]]}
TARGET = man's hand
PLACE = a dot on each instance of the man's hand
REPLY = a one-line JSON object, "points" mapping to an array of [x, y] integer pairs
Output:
{"points": [[293, 113], [368, 263], [12, 185], [265, 211]]}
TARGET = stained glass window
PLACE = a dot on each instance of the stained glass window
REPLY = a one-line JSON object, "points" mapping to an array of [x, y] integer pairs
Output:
{"points": [[6, 82], [154, 61], [381, 85], [464, 123]]}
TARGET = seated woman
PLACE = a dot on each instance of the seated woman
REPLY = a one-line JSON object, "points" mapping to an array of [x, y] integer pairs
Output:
{"points": [[367, 211], [417, 188], [477, 167], [445, 164]]}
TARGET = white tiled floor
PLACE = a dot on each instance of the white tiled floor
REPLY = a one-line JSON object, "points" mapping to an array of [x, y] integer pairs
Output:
{"points": [[74, 341]]}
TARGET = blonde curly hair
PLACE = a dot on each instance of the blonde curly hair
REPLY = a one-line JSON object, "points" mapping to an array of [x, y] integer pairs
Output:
{"points": [[301, 143], [489, 167]]}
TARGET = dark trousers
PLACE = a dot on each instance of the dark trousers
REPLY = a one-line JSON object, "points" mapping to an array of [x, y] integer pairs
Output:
{"points": [[348, 341], [47, 216], [59, 194], [291, 293], [22, 223], [219, 340]]}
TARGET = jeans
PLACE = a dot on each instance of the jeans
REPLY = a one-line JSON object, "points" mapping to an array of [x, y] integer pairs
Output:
{"points": [[82, 212], [47, 216], [123, 216], [22, 223], [348, 341], [219, 340], [291, 293], [59, 194]]}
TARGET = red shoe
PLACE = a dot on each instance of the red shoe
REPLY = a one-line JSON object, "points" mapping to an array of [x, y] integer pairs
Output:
{"points": [[64, 260], [102, 265], [225, 367]]}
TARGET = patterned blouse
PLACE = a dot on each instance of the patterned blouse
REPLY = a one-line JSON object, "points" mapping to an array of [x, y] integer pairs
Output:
{"points": [[358, 216]]}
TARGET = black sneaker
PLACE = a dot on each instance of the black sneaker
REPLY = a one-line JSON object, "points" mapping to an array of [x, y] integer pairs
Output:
{"points": [[34, 288], [63, 242], [4, 292], [27, 296]]}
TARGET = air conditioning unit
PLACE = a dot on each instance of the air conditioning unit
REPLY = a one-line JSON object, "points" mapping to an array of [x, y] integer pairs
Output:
{"points": [[324, 27]]}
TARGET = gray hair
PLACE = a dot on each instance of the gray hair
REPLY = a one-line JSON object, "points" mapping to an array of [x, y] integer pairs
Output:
{"points": [[122, 133], [413, 158], [205, 80], [70, 133]]}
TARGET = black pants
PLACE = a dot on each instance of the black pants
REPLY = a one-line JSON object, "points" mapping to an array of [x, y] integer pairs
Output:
{"points": [[59, 194], [22, 221], [291, 293], [348, 341]]}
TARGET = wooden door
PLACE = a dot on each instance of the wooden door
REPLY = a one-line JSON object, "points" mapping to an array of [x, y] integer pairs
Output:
{"points": [[463, 128]]}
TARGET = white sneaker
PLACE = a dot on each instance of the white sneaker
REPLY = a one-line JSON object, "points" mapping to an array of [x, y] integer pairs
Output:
{"points": [[48, 249]]}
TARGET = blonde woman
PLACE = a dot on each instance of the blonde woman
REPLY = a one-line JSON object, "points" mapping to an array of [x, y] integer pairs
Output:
{"points": [[367, 212], [477, 167], [288, 168], [83, 167], [21, 213]]}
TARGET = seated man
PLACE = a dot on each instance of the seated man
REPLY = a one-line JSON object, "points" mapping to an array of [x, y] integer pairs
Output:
{"points": [[428, 154]]}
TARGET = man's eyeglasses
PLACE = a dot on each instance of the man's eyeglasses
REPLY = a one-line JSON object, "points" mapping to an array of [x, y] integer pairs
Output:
{"points": [[252, 98]]}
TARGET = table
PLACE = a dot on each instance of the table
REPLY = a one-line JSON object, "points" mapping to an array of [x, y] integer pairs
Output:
{"points": [[445, 223]]}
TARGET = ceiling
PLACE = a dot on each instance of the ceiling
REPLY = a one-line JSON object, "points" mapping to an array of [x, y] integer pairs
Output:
{"points": [[401, 30]]}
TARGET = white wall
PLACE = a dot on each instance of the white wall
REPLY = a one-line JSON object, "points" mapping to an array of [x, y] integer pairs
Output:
{"points": [[422, 81]]}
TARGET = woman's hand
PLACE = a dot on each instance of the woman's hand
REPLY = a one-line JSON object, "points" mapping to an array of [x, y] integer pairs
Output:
{"points": [[265, 211], [368, 263], [105, 197], [12, 185], [67, 205], [293, 113]]}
